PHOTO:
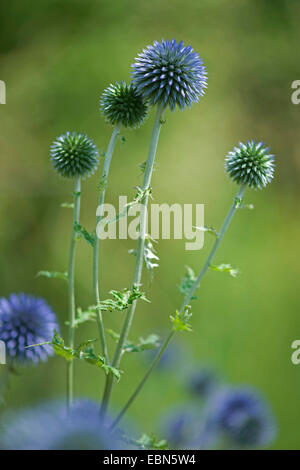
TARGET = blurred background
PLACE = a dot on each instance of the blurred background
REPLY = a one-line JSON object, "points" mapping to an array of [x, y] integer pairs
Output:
{"points": [[56, 59]]}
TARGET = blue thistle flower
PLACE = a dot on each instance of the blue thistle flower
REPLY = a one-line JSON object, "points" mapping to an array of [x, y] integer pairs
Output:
{"points": [[171, 74], [51, 427], [242, 417], [122, 104], [26, 320], [181, 427], [73, 154], [250, 163]]}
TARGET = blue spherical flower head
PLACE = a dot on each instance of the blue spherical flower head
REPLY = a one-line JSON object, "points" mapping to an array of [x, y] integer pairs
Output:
{"points": [[202, 382], [243, 417], [26, 320], [121, 104], [51, 427], [251, 164], [170, 74], [73, 154]]}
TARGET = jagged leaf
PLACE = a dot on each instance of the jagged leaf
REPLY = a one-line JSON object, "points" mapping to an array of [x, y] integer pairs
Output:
{"points": [[225, 268], [121, 299], [151, 442], [181, 319], [84, 315], [207, 229]]}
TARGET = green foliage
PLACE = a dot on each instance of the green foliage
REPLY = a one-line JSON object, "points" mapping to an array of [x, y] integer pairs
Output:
{"points": [[225, 268], [150, 342], [121, 299], [181, 319], [188, 282], [150, 256], [53, 275], [150, 442], [84, 234], [84, 315], [84, 352]]}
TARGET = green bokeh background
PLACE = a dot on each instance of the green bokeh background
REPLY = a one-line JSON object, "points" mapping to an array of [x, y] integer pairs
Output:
{"points": [[56, 58]]}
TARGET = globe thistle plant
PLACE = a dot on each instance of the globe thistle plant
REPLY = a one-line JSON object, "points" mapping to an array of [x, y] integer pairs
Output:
{"points": [[170, 74], [122, 104], [251, 164], [26, 320], [74, 154], [242, 417], [51, 427]]}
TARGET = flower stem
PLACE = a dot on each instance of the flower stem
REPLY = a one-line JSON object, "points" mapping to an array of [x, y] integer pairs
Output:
{"points": [[139, 257], [71, 290], [186, 301], [101, 199]]}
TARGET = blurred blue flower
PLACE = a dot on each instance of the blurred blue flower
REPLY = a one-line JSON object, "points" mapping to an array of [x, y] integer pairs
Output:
{"points": [[171, 74], [202, 382], [242, 417], [181, 427], [51, 427], [26, 320]]}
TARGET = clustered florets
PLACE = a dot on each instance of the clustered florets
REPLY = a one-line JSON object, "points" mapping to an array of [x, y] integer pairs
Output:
{"points": [[122, 104], [26, 320], [73, 154], [171, 74], [251, 164]]}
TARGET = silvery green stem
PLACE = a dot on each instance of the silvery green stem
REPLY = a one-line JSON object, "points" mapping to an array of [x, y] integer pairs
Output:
{"points": [[139, 258], [101, 199], [186, 301], [71, 290]]}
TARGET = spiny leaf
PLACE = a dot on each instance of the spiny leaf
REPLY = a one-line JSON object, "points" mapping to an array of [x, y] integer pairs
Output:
{"points": [[67, 205], [181, 319], [137, 200], [150, 257], [188, 282], [207, 229], [121, 299], [150, 342], [83, 233], [53, 275], [225, 268]]}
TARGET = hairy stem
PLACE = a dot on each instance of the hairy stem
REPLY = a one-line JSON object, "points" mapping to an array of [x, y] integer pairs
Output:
{"points": [[101, 199], [186, 301], [139, 258], [71, 290]]}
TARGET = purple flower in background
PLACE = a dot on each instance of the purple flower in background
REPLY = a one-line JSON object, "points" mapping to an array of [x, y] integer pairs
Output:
{"points": [[167, 73], [182, 426], [242, 417], [51, 427], [26, 320]]}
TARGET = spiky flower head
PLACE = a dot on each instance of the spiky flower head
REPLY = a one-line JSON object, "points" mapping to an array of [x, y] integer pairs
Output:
{"points": [[167, 73], [243, 417], [122, 104], [74, 154], [26, 320], [250, 163], [51, 427]]}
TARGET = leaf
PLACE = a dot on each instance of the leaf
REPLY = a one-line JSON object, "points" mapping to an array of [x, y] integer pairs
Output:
{"points": [[181, 319], [84, 234], [225, 268], [150, 342], [121, 299], [84, 315], [67, 205], [150, 257], [207, 229], [85, 352], [188, 282], [53, 275], [151, 442], [137, 200]]}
